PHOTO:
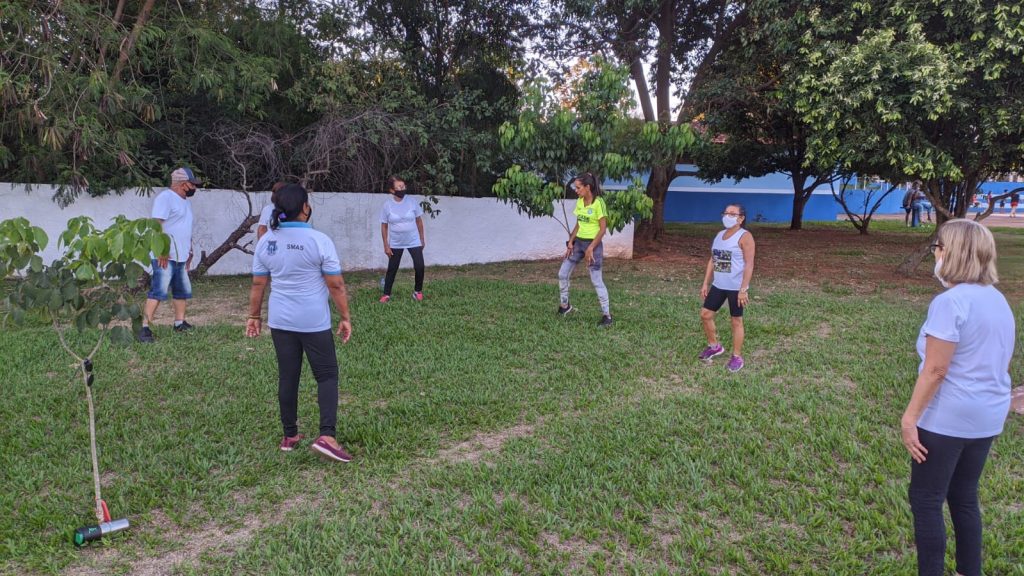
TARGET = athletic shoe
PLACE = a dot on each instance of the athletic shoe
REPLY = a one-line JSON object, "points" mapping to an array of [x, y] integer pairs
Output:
{"points": [[290, 442], [322, 447], [710, 352], [183, 327], [385, 299], [605, 322], [417, 296], [735, 363], [146, 335], [563, 310]]}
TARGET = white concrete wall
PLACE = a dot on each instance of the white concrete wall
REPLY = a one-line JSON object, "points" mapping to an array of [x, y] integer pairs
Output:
{"points": [[467, 230]]}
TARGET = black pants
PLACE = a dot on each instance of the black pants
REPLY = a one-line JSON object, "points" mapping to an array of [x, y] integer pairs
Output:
{"points": [[396, 259], [323, 360], [949, 473]]}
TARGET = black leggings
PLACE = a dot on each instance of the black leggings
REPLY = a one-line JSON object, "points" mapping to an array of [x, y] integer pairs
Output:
{"points": [[950, 473], [319, 349], [396, 259]]}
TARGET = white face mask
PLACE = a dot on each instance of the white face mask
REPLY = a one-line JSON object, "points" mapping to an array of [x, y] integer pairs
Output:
{"points": [[938, 266], [729, 221]]}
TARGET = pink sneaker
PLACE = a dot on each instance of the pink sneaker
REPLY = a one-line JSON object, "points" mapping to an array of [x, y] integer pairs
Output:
{"points": [[385, 299], [290, 442], [735, 363], [322, 447], [417, 296], [710, 352]]}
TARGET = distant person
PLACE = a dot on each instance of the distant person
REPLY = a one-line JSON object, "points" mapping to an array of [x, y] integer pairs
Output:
{"points": [[586, 243], [173, 210], [1014, 201], [264, 222], [961, 397], [916, 205], [908, 200], [302, 268], [727, 278], [401, 228]]}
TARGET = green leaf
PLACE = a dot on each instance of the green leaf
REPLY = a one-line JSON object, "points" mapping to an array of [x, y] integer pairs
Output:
{"points": [[121, 335], [85, 271], [40, 237], [116, 246]]}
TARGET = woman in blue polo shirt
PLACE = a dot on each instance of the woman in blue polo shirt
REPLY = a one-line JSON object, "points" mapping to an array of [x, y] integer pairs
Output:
{"points": [[305, 269]]}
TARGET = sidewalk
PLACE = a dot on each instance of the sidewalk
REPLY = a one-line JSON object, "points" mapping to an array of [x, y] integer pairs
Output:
{"points": [[993, 220]]}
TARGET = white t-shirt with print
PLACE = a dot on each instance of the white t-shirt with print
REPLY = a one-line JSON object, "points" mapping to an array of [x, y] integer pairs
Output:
{"points": [[401, 220], [974, 398], [176, 213], [297, 258]]}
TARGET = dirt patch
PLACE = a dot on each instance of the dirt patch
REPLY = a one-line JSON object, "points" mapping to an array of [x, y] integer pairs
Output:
{"points": [[846, 382], [824, 330], [481, 445], [659, 389], [843, 257], [1017, 400], [577, 549], [210, 538], [223, 306]]}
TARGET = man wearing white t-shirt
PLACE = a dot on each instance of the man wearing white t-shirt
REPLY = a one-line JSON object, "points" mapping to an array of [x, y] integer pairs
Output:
{"points": [[173, 211]]}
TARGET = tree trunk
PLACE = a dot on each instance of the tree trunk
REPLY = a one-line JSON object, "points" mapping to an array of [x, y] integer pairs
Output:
{"points": [[913, 260], [231, 243], [129, 43], [799, 201], [649, 231]]}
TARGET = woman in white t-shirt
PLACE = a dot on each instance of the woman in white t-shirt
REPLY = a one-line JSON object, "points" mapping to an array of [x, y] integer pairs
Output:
{"points": [[727, 277], [961, 396], [264, 222], [401, 227]]}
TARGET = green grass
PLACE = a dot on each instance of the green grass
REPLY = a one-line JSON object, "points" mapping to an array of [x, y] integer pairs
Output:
{"points": [[611, 452]]}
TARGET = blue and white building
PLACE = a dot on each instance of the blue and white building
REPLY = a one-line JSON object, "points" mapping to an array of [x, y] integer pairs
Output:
{"points": [[770, 198]]}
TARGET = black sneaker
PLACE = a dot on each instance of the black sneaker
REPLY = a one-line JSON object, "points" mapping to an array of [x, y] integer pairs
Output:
{"points": [[146, 335], [183, 327], [563, 310], [605, 322]]}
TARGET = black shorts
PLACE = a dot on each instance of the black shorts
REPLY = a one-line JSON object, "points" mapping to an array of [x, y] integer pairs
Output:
{"points": [[717, 297]]}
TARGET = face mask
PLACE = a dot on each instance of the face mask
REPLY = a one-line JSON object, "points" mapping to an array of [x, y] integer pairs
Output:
{"points": [[399, 194], [729, 221], [191, 192], [938, 266], [309, 214]]}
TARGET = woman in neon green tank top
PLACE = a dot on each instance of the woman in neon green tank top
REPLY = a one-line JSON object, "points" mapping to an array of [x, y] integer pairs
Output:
{"points": [[585, 243]]}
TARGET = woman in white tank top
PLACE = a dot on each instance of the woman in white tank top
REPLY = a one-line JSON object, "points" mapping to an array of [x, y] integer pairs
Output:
{"points": [[727, 278]]}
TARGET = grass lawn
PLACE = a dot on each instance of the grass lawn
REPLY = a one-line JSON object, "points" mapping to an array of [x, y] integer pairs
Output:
{"points": [[492, 437]]}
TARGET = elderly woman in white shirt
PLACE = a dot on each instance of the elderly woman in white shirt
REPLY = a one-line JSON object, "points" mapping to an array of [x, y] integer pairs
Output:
{"points": [[961, 397]]}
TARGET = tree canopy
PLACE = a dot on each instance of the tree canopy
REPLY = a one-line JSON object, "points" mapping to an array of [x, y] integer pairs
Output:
{"points": [[924, 90]]}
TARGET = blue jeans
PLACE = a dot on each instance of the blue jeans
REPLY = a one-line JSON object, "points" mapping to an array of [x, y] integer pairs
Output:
{"points": [[174, 277], [915, 218], [579, 250]]}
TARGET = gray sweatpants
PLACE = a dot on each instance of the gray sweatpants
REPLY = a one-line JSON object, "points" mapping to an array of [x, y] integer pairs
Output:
{"points": [[569, 264]]}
